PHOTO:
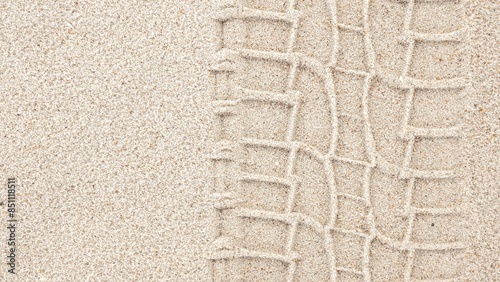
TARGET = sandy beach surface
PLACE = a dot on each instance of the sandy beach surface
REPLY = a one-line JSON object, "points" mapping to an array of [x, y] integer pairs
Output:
{"points": [[250, 140]]}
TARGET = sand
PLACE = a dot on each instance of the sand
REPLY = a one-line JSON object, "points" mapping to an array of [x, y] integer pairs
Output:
{"points": [[251, 140]]}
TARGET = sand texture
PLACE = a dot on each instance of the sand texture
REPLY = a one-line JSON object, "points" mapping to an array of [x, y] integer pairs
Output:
{"points": [[251, 140], [341, 141]]}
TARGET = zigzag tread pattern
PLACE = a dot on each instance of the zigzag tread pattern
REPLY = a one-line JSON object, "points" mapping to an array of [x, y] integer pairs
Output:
{"points": [[228, 256]]}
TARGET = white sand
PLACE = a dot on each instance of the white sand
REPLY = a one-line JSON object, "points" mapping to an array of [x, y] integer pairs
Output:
{"points": [[251, 140]]}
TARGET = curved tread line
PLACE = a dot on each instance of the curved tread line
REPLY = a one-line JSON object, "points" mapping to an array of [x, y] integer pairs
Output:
{"points": [[436, 211], [241, 13], [454, 36], [370, 220], [350, 232], [436, 84], [436, 133], [370, 142], [407, 113], [288, 218], [419, 246], [226, 150], [290, 98], [351, 27], [407, 158], [288, 181], [392, 169], [351, 116], [289, 249], [332, 6], [350, 270], [409, 265], [354, 198], [225, 107], [351, 161], [246, 253], [224, 201], [349, 71]]}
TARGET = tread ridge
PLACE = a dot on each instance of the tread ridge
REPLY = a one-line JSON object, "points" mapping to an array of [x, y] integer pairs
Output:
{"points": [[227, 62]]}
